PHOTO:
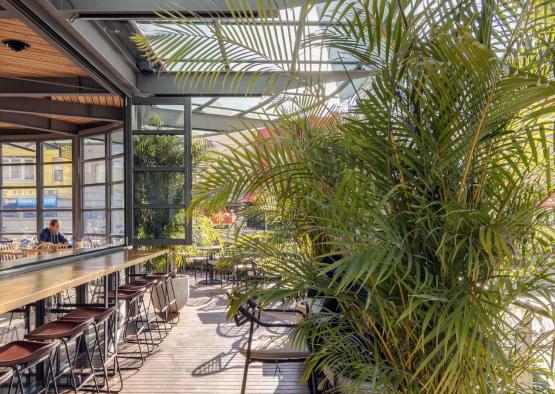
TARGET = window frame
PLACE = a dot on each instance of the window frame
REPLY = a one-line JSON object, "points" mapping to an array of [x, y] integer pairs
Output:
{"points": [[108, 185], [186, 168]]}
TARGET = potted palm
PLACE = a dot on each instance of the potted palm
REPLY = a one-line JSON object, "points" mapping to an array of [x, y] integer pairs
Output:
{"points": [[412, 218]]}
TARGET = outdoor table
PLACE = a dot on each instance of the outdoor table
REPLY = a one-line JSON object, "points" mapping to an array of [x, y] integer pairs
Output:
{"points": [[211, 280], [35, 286]]}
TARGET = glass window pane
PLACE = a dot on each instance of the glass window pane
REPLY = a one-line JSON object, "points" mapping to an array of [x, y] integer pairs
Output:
{"points": [[158, 117], [118, 222], [159, 150], [18, 152], [159, 187], [117, 240], [65, 218], [20, 222], [22, 175], [94, 147], [118, 195], [56, 151], [57, 174], [94, 241], [19, 198], [159, 223], [58, 197], [94, 197], [117, 169], [21, 239], [94, 222], [94, 172], [117, 142]]}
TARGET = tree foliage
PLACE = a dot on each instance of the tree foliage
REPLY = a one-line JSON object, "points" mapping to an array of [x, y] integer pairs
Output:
{"points": [[415, 213]]}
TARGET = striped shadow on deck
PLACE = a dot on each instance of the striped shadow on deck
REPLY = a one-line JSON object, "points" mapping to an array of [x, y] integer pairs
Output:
{"points": [[201, 356]]}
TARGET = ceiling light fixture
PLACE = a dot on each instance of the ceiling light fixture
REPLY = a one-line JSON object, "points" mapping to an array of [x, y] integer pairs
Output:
{"points": [[16, 45]]}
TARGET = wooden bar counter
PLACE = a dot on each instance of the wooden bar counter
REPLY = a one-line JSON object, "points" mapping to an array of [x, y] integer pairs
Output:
{"points": [[26, 288]]}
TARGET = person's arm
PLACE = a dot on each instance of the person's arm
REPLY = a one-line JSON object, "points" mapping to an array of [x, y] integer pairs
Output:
{"points": [[63, 239], [43, 237]]}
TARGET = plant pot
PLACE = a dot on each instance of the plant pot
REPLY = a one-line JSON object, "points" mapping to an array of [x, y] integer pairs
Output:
{"points": [[181, 288]]}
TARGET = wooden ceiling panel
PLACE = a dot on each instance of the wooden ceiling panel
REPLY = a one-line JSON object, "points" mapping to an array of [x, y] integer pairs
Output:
{"points": [[40, 60], [111, 101]]}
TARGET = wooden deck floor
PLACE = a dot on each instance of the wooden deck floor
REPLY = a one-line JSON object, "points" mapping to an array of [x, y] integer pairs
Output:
{"points": [[200, 356]]}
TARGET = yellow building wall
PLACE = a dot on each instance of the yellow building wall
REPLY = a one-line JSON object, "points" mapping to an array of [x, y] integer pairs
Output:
{"points": [[50, 155]]}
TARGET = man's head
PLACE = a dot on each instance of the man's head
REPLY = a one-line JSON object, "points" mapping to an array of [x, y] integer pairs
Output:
{"points": [[54, 226]]}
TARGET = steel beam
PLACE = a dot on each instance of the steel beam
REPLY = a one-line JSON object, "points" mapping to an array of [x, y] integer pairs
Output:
{"points": [[240, 84], [29, 106], [204, 121], [105, 9], [58, 86], [223, 123]]}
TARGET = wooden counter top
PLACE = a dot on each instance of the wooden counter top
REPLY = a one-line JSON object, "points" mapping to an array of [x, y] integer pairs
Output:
{"points": [[29, 287]]}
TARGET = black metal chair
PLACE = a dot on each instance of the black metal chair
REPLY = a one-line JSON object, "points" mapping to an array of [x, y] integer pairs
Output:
{"points": [[270, 346]]}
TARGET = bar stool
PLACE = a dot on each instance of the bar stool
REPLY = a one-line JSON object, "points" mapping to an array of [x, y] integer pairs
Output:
{"points": [[145, 286], [133, 316], [99, 316], [65, 332], [171, 299], [154, 285], [20, 356]]}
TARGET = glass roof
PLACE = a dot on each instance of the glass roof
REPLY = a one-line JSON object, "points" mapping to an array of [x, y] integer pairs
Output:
{"points": [[221, 44], [274, 44]]}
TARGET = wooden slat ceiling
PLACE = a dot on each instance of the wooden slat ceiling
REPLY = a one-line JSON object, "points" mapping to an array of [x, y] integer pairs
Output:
{"points": [[111, 101], [40, 60], [43, 60]]}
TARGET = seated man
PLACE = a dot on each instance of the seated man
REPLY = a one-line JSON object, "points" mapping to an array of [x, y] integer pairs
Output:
{"points": [[52, 234]]}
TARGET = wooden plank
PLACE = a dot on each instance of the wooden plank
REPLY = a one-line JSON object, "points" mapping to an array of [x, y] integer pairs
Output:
{"points": [[201, 355], [29, 287]]}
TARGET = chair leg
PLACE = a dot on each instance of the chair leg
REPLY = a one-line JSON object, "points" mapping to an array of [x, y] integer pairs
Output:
{"points": [[313, 383], [51, 369], [71, 364], [11, 383], [247, 359], [245, 374], [20, 381], [89, 358]]}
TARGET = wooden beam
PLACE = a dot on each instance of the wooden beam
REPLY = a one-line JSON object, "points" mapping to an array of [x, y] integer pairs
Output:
{"points": [[29, 106], [21, 135], [39, 123], [101, 128], [54, 86]]}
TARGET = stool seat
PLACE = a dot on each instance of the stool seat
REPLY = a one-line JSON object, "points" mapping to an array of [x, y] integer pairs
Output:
{"points": [[59, 329], [163, 275], [137, 285], [126, 294], [145, 279], [97, 314], [24, 352]]}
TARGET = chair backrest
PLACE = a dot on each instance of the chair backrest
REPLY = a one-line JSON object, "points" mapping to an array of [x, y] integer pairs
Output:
{"points": [[7, 246], [246, 313]]}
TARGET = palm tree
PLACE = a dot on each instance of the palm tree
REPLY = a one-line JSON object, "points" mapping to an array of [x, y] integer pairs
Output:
{"points": [[413, 217]]}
